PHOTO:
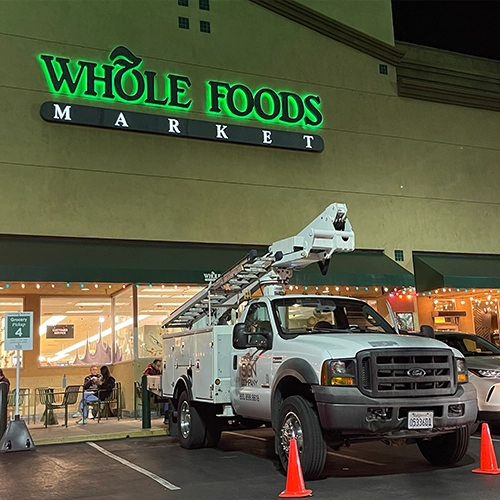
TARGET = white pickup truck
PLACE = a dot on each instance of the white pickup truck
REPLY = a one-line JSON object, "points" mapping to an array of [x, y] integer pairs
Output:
{"points": [[327, 370]]}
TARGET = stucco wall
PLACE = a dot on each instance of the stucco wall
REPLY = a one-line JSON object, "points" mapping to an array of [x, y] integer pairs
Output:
{"points": [[416, 175]]}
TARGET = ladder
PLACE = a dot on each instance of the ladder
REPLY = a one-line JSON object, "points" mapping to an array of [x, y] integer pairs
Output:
{"points": [[330, 232], [226, 292]]}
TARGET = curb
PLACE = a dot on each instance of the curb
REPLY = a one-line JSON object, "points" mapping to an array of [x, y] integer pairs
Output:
{"points": [[102, 437]]}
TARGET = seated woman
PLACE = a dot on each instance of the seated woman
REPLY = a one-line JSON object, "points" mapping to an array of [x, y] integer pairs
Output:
{"points": [[105, 386]]}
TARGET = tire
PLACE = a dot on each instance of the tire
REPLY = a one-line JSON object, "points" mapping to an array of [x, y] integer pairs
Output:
{"points": [[192, 428], [213, 428], [447, 449], [298, 418]]}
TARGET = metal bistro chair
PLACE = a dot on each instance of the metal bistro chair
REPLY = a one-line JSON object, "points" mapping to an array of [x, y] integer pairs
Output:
{"points": [[23, 393], [137, 398], [104, 405], [70, 397]]}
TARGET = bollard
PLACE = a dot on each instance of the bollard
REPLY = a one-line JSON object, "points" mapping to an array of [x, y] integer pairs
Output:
{"points": [[4, 401], [146, 406]]}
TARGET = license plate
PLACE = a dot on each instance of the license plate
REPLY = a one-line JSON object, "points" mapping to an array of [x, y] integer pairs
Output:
{"points": [[420, 419]]}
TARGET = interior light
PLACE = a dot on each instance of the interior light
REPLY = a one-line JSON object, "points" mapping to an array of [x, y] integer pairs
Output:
{"points": [[22, 285], [38, 285]]}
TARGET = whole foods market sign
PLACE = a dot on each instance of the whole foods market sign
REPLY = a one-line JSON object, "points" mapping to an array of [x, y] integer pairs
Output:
{"points": [[125, 81]]}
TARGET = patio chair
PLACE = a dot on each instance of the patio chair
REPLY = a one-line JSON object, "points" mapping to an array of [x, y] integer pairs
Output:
{"points": [[137, 398], [70, 397], [104, 405], [23, 393]]}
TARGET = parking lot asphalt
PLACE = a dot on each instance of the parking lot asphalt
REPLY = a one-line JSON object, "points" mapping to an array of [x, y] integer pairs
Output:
{"points": [[243, 466]]}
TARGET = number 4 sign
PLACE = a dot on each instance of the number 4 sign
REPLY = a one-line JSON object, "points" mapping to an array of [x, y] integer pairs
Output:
{"points": [[19, 331]]}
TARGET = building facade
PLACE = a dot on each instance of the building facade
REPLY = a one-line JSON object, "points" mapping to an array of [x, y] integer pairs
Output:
{"points": [[152, 142]]}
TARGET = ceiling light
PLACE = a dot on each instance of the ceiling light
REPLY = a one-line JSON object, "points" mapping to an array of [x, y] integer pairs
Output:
{"points": [[93, 304], [85, 311]]}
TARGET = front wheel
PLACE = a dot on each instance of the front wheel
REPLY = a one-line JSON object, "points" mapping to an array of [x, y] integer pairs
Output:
{"points": [[192, 428], [298, 419], [446, 449]]}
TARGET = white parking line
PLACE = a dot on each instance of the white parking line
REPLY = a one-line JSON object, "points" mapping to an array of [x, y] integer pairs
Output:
{"points": [[354, 458], [479, 437], [147, 473], [246, 436], [330, 452]]}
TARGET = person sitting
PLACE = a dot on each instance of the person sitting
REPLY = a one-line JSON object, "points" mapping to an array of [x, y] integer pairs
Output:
{"points": [[154, 368], [105, 385], [4, 380], [90, 385]]}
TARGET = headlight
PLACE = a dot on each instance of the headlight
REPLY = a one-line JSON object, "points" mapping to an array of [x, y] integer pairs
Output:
{"points": [[486, 373], [461, 366], [338, 372]]}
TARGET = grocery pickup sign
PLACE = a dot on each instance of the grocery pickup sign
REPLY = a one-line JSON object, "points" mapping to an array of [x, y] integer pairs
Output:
{"points": [[124, 81], [19, 331]]}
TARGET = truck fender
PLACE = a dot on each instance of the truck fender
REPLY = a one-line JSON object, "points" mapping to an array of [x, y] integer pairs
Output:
{"points": [[181, 384], [296, 368]]}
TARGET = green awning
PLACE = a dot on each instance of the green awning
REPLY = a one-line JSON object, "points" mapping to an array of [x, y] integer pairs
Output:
{"points": [[358, 268], [33, 258], [436, 270]]}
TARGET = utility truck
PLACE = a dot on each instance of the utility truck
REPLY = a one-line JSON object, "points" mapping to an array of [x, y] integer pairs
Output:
{"points": [[326, 370]]}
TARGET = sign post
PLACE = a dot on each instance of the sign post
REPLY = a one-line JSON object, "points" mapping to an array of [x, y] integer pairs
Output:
{"points": [[18, 337]]}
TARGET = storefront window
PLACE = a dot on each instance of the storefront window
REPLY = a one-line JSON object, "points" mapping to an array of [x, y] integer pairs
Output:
{"points": [[155, 304], [75, 331], [8, 359], [124, 326]]}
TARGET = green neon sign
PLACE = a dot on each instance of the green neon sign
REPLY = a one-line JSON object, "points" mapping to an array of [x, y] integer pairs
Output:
{"points": [[125, 81]]}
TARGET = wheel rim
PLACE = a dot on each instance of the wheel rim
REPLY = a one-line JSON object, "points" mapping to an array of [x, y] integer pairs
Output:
{"points": [[185, 419], [291, 428]]}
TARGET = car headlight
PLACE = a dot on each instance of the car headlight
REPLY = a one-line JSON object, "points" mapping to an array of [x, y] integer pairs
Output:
{"points": [[486, 373], [338, 372], [461, 366]]}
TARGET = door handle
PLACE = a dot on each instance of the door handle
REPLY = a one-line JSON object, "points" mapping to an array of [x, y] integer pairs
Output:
{"points": [[235, 362]]}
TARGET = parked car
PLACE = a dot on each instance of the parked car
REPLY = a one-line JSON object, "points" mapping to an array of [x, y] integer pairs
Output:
{"points": [[483, 362]]}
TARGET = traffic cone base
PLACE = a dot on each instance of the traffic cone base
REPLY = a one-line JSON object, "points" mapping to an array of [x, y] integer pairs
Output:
{"points": [[295, 487], [487, 458]]}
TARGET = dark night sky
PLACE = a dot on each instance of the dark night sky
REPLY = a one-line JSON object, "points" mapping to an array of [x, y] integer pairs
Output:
{"points": [[466, 26]]}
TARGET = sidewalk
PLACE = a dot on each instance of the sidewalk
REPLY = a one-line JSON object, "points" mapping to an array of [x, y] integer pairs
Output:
{"points": [[94, 431]]}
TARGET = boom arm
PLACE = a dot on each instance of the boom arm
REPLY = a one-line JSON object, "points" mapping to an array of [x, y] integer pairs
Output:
{"points": [[327, 234]]}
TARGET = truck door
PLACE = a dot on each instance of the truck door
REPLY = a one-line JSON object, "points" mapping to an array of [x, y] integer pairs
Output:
{"points": [[252, 367]]}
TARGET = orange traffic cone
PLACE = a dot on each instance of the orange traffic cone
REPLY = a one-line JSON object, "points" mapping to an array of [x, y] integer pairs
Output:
{"points": [[487, 459], [295, 487]]}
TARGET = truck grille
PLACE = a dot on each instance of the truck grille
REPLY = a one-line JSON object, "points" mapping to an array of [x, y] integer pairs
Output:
{"points": [[406, 372]]}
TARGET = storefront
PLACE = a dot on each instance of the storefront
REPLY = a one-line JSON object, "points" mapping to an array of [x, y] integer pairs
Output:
{"points": [[144, 148], [459, 292]]}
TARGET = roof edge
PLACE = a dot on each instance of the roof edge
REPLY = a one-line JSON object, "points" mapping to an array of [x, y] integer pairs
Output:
{"points": [[333, 29]]}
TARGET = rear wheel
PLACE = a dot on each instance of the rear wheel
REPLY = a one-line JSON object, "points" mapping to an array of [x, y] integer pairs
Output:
{"points": [[192, 428], [446, 449], [298, 419]]}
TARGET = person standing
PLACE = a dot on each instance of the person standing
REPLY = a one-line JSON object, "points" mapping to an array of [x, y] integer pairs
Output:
{"points": [[4, 380], [154, 368]]}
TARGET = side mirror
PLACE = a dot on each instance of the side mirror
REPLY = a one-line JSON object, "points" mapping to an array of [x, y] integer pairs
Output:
{"points": [[240, 337], [243, 340], [427, 331]]}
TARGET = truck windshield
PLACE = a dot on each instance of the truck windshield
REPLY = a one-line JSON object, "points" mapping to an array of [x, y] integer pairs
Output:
{"points": [[297, 315]]}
